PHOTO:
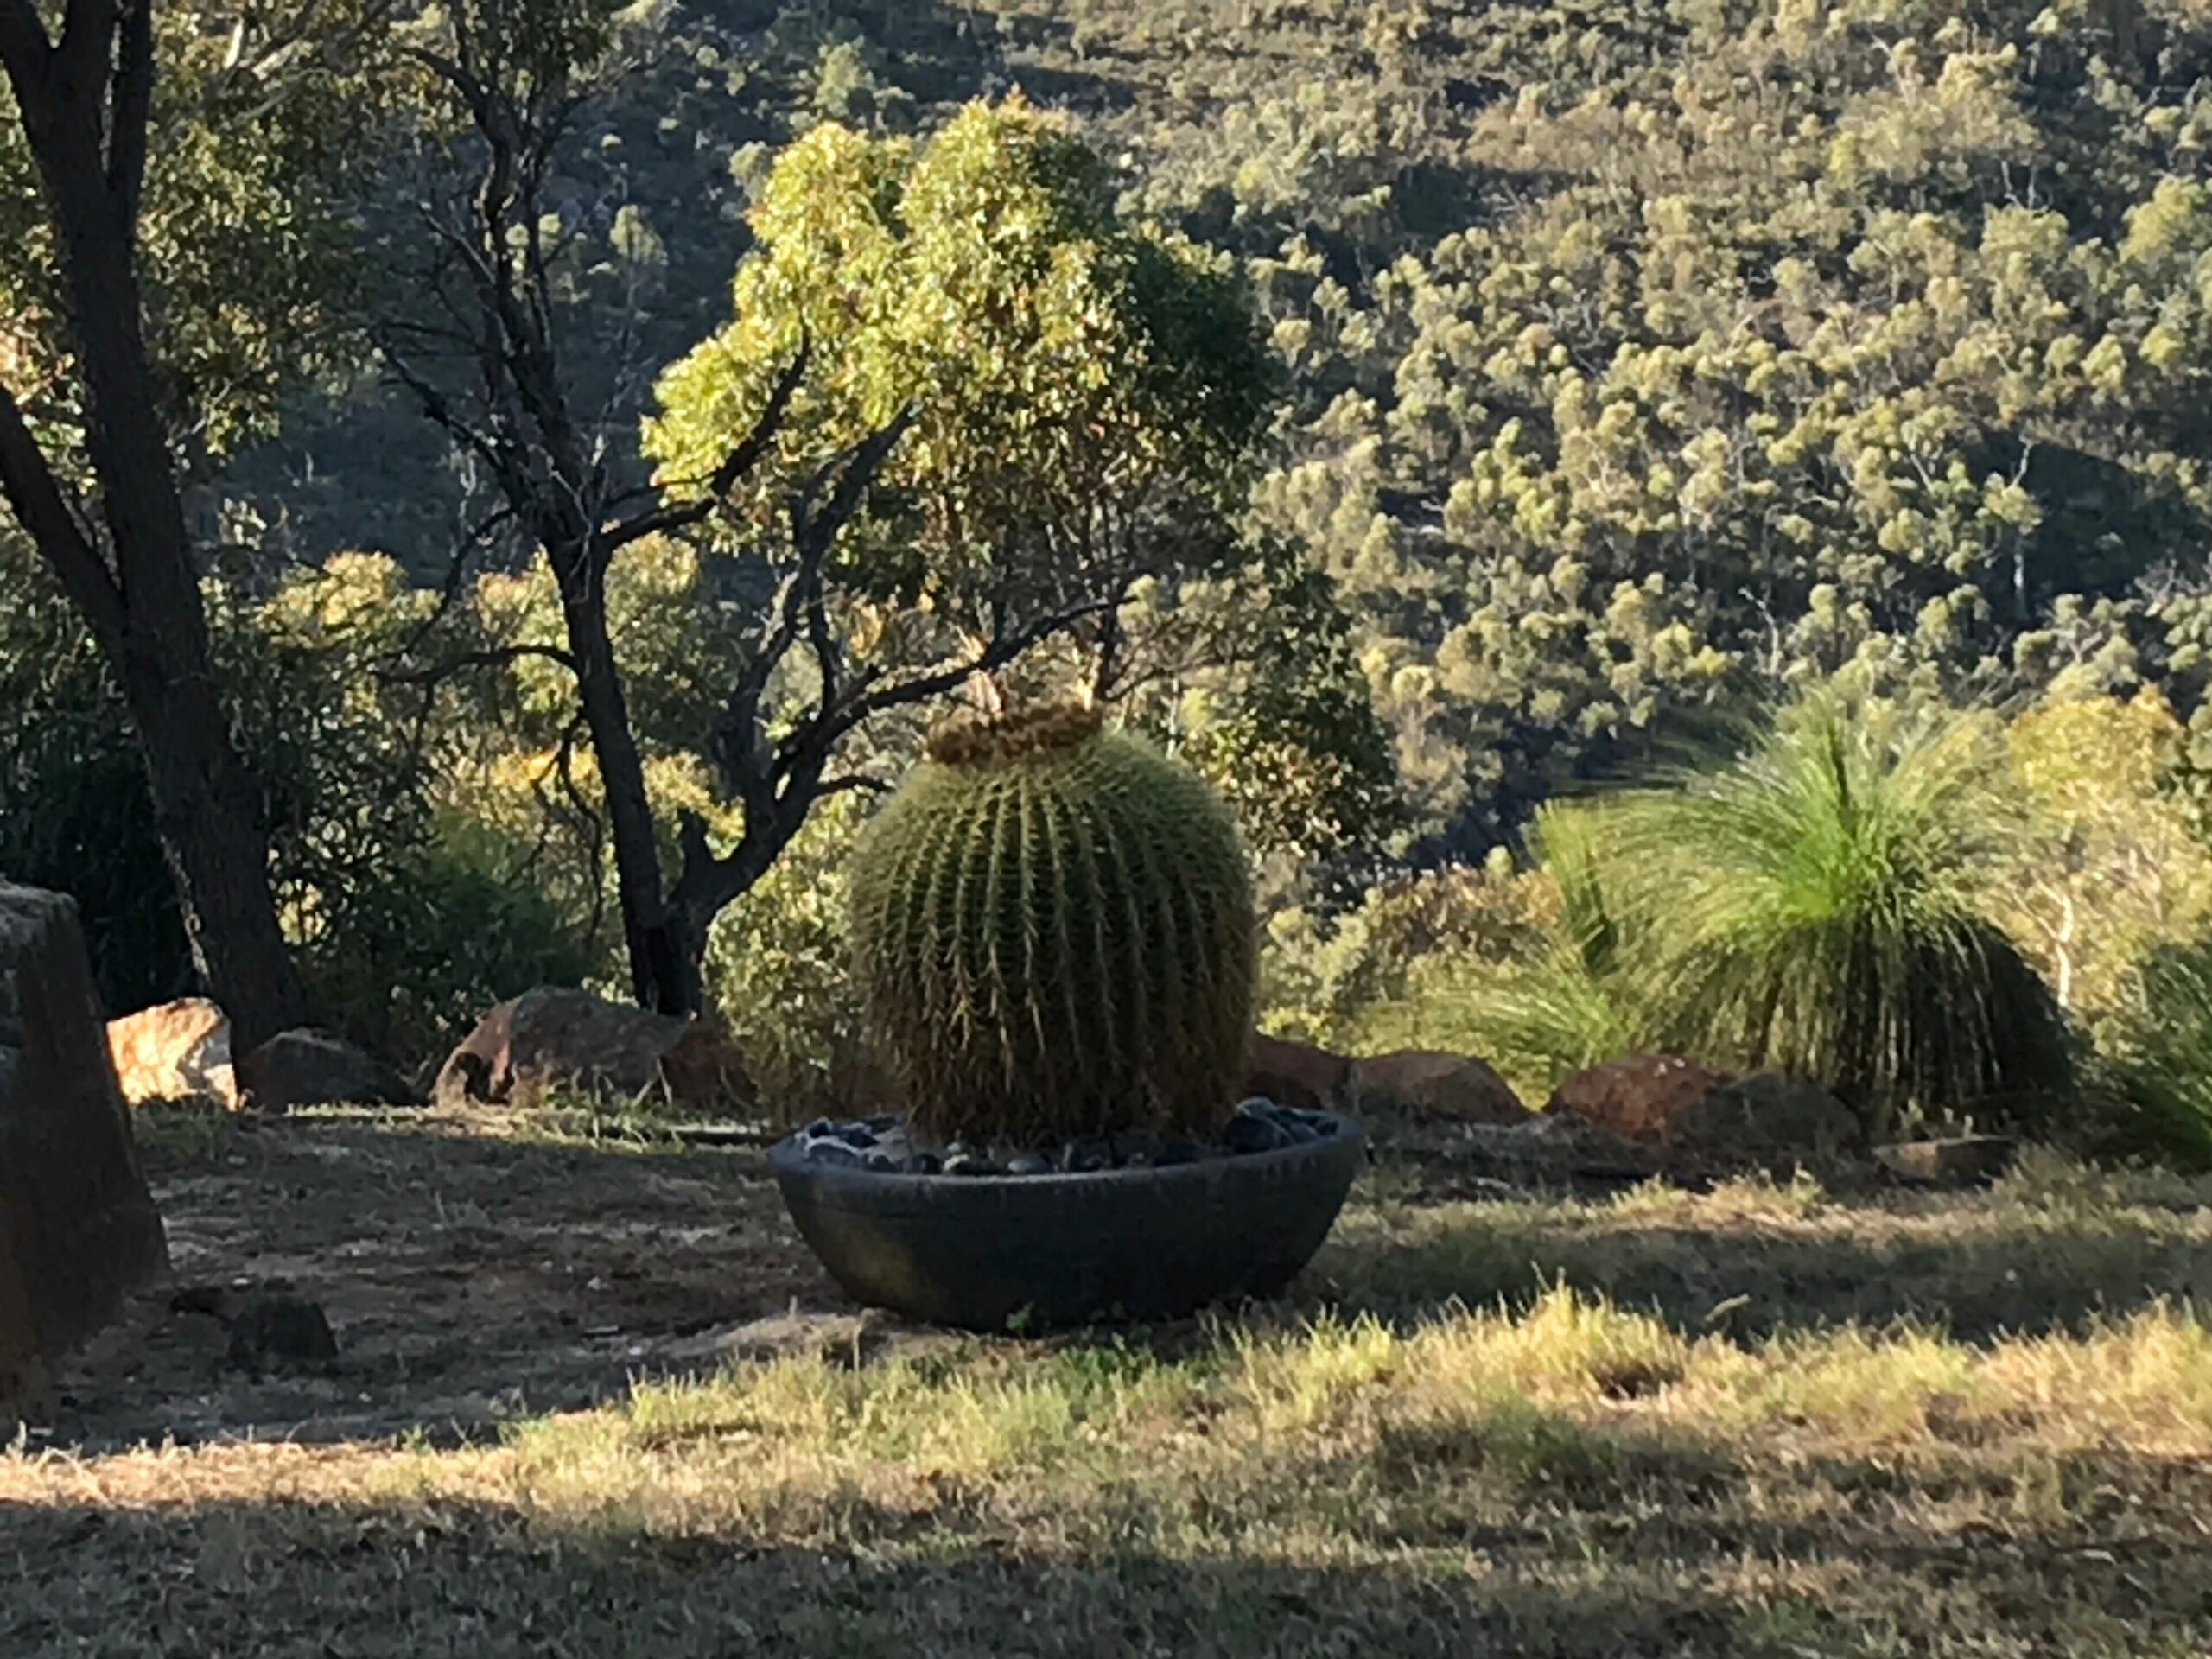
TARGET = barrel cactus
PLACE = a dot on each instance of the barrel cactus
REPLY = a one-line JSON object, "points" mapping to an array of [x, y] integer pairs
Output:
{"points": [[1053, 929]]}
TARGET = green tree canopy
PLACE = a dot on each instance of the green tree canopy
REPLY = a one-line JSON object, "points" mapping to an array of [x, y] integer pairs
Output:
{"points": [[1081, 396]]}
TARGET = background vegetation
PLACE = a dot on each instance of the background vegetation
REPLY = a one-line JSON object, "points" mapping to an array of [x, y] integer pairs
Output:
{"points": [[1636, 374]]}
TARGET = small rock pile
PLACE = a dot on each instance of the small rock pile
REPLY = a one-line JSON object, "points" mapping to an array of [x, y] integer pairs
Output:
{"points": [[885, 1144]]}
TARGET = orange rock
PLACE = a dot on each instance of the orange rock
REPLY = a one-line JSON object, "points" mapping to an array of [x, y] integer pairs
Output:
{"points": [[176, 1053], [1639, 1098]]}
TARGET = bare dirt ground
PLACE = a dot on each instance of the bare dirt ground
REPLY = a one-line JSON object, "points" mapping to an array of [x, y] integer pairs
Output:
{"points": [[473, 1269]]}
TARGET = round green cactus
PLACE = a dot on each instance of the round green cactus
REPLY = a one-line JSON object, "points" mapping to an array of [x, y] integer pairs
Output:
{"points": [[1053, 928]]}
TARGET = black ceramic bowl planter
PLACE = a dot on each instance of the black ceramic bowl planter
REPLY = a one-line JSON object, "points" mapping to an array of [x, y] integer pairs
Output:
{"points": [[997, 1252]]}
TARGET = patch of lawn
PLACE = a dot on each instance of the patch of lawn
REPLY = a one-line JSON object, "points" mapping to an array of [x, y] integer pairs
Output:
{"points": [[1572, 1478]]}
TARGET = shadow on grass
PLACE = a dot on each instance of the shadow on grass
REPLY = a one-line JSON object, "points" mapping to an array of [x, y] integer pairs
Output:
{"points": [[475, 1275], [287, 1580], [472, 1271], [1446, 1543]]}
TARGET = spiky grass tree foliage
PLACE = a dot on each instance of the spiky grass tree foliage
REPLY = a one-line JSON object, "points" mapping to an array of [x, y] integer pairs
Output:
{"points": [[1815, 905], [1582, 998], [1053, 928]]}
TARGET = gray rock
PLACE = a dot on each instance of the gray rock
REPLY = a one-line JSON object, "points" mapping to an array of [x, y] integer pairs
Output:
{"points": [[1138, 1149], [1086, 1157], [312, 1068], [77, 1227], [1249, 1132]]}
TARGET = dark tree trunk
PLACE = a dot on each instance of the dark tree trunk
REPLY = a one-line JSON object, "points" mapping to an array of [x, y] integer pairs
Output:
{"points": [[83, 107], [662, 977], [206, 815]]}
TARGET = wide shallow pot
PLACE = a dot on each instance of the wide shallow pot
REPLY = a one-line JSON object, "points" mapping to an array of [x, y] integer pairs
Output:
{"points": [[990, 1252]]}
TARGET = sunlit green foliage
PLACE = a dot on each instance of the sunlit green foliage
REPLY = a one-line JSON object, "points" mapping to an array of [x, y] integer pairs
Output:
{"points": [[2162, 1084], [2113, 868], [264, 133], [1082, 394]]}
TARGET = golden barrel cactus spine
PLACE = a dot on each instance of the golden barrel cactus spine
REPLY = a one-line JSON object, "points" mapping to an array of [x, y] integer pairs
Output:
{"points": [[1053, 931]]}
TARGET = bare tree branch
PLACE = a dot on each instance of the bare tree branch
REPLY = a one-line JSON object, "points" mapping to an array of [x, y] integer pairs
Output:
{"points": [[1001, 650], [45, 513], [439, 409], [740, 460], [25, 49], [87, 40], [778, 788], [490, 657]]}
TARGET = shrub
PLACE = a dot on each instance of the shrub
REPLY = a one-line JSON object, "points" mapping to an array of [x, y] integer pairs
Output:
{"points": [[425, 945], [1054, 934], [2162, 1105], [1381, 976], [777, 970], [1815, 903]]}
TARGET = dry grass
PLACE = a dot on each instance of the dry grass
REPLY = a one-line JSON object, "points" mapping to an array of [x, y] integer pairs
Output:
{"points": [[1491, 1428]]}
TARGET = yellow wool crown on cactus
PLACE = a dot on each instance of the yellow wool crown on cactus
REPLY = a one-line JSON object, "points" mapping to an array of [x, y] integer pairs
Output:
{"points": [[1053, 928]]}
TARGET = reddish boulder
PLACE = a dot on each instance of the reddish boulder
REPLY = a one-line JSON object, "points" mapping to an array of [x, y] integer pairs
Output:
{"points": [[77, 1227], [1420, 1083], [176, 1053], [1638, 1098], [311, 1068], [1298, 1074], [1701, 1119], [555, 1039]]}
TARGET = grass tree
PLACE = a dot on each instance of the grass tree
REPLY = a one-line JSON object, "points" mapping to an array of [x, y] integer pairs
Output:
{"points": [[1582, 997], [1816, 902]]}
